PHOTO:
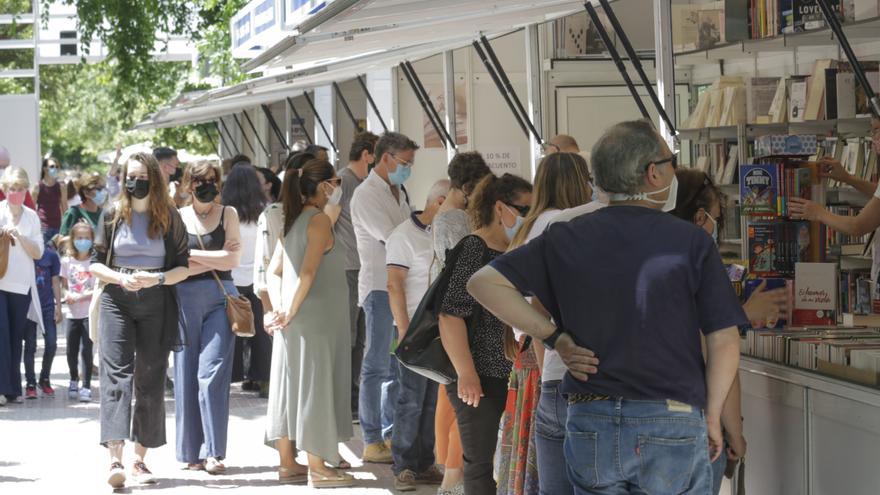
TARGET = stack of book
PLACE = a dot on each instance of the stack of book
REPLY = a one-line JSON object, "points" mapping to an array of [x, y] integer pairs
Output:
{"points": [[839, 243], [723, 103], [804, 347]]}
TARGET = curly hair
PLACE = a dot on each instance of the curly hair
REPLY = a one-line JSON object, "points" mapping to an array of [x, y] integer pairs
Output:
{"points": [[466, 170]]}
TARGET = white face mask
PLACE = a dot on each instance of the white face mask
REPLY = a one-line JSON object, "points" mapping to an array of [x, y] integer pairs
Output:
{"points": [[335, 197], [668, 203]]}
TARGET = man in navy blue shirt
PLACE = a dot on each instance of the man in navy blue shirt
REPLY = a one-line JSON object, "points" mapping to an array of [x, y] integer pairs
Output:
{"points": [[636, 286]]}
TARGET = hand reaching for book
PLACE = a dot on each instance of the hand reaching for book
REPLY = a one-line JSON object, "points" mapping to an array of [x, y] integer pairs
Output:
{"points": [[829, 168], [766, 305], [804, 209]]}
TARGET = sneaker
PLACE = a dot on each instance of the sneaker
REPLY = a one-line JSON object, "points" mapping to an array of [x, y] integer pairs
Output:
{"points": [[405, 481], [85, 395], [431, 476], [378, 453], [47, 389], [18, 399], [141, 474], [116, 478], [2, 400], [73, 390], [30, 392], [250, 386]]}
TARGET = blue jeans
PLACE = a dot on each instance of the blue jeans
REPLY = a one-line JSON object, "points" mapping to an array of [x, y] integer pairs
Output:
{"points": [[718, 468], [13, 319], [203, 371], [50, 339], [412, 443], [626, 446], [549, 440], [378, 392], [48, 234]]}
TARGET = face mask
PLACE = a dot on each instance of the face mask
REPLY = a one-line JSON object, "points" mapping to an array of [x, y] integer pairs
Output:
{"points": [[175, 177], [53, 172], [100, 196], [511, 231], [714, 228], [206, 192], [335, 197], [82, 245], [138, 188], [400, 175], [16, 197], [668, 203]]}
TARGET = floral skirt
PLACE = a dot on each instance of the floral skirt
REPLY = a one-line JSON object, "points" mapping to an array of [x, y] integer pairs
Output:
{"points": [[516, 465]]}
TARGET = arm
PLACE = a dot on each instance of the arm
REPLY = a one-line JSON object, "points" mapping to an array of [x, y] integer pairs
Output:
{"points": [[833, 169], [274, 273], [27, 234], [261, 262], [319, 236], [497, 294], [867, 220], [722, 360], [454, 336], [397, 296], [230, 256], [56, 291], [63, 201], [731, 421]]}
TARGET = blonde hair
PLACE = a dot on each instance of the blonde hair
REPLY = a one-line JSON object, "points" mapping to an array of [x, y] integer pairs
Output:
{"points": [[15, 177], [202, 170], [69, 248]]}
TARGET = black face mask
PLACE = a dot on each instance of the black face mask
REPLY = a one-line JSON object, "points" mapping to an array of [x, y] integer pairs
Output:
{"points": [[175, 177], [138, 188], [206, 192]]}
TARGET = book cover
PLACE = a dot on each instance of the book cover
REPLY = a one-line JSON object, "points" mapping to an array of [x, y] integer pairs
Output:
{"points": [[846, 95], [797, 99], [807, 15], [816, 90], [779, 107], [760, 95], [685, 27], [831, 93], [763, 250], [863, 297], [815, 295], [711, 28], [730, 166], [759, 186]]}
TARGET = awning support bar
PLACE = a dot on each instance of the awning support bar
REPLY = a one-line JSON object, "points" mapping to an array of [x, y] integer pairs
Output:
{"points": [[300, 119], [418, 94], [615, 56], [244, 134], [430, 105], [427, 106], [499, 86], [256, 134], [320, 122], [372, 103], [208, 135], [345, 107], [274, 125], [509, 88], [229, 136], [636, 63]]}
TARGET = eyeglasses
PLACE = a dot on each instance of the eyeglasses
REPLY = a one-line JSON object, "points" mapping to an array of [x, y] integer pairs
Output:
{"points": [[523, 210], [335, 181], [197, 181], [402, 161], [672, 160]]}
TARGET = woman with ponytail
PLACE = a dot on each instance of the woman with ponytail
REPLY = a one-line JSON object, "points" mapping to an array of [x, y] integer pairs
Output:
{"points": [[313, 411]]}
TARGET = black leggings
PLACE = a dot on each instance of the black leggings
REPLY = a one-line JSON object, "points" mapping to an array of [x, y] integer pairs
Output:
{"points": [[258, 347], [78, 331]]}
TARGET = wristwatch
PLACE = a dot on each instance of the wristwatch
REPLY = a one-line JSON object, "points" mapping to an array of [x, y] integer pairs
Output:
{"points": [[550, 342], [161, 278]]}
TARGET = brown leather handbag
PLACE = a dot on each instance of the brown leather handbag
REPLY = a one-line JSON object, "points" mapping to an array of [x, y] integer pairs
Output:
{"points": [[238, 308], [5, 243]]}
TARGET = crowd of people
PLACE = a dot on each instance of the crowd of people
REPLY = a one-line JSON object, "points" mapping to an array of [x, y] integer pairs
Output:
{"points": [[588, 317]]}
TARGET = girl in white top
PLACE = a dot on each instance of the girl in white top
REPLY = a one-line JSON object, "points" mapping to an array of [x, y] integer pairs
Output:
{"points": [[78, 284], [20, 236]]}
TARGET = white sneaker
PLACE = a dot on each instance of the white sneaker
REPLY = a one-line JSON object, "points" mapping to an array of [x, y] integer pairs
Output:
{"points": [[2, 400], [73, 390], [85, 395]]}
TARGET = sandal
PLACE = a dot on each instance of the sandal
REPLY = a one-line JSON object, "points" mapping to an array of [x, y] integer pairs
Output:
{"points": [[289, 477], [215, 466], [343, 465], [337, 480], [195, 466]]}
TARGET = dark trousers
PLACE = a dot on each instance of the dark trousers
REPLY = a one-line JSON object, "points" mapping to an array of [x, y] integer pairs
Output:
{"points": [[13, 318], [412, 440], [78, 334], [358, 335], [130, 338], [256, 351], [478, 427], [50, 340]]}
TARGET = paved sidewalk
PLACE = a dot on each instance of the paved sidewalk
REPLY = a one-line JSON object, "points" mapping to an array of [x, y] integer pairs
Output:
{"points": [[50, 445]]}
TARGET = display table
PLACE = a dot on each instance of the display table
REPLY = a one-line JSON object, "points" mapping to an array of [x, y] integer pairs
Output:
{"points": [[807, 433]]}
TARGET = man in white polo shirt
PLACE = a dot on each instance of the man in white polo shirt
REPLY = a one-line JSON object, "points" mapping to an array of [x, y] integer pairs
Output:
{"points": [[378, 206], [409, 264]]}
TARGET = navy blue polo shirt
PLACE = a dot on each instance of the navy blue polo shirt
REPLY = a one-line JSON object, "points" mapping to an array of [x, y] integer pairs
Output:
{"points": [[636, 286]]}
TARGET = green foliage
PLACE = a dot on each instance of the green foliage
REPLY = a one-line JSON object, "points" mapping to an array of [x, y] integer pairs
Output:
{"points": [[215, 40], [15, 6]]}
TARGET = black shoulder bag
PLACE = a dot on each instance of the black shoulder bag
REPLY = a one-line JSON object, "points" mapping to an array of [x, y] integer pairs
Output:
{"points": [[421, 350]]}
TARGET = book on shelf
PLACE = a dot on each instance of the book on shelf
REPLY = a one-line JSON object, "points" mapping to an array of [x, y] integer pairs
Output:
{"points": [[730, 166], [816, 90], [775, 247], [710, 30], [797, 98], [806, 15], [760, 96], [786, 144], [855, 291], [779, 106], [815, 294]]}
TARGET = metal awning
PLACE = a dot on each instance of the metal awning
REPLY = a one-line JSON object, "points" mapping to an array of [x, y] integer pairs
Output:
{"points": [[216, 103], [385, 25]]}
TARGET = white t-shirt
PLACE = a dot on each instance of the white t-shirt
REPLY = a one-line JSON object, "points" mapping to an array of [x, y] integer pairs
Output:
{"points": [[20, 274], [243, 274], [554, 368], [409, 247], [375, 213], [79, 280]]}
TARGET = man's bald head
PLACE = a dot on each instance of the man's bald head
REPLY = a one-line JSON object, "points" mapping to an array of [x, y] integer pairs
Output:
{"points": [[564, 143], [5, 159]]}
